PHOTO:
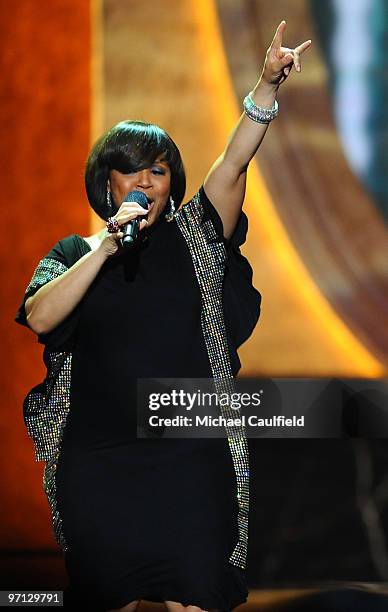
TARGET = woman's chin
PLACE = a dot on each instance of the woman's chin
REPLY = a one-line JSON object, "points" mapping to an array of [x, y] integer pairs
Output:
{"points": [[153, 217]]}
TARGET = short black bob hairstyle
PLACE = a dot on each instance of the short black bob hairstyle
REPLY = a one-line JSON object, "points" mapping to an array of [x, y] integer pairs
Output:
{"points": [[130, 146]]}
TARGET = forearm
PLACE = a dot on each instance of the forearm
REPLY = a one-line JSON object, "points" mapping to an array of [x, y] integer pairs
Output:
{"points": [[53, 302], [247, 136]]}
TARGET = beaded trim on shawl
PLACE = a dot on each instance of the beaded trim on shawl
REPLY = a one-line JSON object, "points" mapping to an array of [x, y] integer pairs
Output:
{"points": [[46, 406], [209, 258]]}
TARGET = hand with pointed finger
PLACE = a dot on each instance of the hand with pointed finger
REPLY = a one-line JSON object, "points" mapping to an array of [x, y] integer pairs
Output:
{"points": [[279, 60], [111, 243]]}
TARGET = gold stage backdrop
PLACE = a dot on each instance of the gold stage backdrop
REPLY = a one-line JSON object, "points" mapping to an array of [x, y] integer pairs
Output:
{"points": [[73, 70], [166, 62]]}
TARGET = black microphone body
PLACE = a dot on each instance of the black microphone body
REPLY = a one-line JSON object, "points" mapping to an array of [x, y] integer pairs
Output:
{"points": [[131, 229]]}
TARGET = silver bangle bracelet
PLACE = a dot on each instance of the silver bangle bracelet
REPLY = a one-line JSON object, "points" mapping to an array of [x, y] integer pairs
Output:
{"points": [[257, 113]]}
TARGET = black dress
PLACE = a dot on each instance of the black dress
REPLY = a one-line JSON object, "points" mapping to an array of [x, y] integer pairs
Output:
{"points": [[148, 519]]}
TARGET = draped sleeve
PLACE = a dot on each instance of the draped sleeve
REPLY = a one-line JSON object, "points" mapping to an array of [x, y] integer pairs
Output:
{"points": [[59, 259], [241, 300]]}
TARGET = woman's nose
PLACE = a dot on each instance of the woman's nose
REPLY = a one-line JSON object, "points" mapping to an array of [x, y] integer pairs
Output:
{"points": [[144, 178]]}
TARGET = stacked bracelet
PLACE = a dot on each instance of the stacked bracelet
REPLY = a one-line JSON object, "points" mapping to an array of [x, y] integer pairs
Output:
{"points": [[257, 113]]}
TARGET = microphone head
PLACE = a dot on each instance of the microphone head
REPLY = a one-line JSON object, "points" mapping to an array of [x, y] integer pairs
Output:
{"points": [[131, 229], [137, 196]]}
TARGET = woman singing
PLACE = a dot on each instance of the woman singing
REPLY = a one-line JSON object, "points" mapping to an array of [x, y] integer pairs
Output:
{"points": [[149, 518]]}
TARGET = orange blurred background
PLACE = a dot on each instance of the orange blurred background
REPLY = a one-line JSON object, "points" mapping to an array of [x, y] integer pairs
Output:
{"points": [[71, 69]]}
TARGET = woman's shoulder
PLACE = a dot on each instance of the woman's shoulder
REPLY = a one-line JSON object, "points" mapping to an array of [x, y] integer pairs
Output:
{"points": [[71, 248], [202, 210]]}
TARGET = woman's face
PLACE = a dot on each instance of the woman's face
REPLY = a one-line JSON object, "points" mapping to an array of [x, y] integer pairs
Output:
{"points": [[154, 182]]}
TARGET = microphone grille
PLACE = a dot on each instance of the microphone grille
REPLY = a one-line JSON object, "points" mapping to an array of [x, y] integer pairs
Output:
{"points": [[137, 196]]}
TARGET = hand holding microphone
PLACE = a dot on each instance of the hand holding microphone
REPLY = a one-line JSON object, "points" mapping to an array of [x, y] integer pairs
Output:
{"points": [[131, 229], [127, 221]]}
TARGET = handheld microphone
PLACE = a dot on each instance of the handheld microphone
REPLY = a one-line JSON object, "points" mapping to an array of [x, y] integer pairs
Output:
{"points": [[131, 229]]}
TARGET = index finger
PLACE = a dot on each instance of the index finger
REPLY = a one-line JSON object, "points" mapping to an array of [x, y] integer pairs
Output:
{"points": [[278, 38], [303, 46], [132, 204]]}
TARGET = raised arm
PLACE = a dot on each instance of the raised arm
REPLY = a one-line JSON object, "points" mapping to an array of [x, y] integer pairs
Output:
{"points": [[226, 181]]}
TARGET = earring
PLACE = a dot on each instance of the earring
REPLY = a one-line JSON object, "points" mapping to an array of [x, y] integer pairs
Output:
{"points": [[170, 215], [108, 199]]}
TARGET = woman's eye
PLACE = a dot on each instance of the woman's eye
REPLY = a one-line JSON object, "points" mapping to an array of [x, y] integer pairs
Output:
{"points": [[157, 171]]}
